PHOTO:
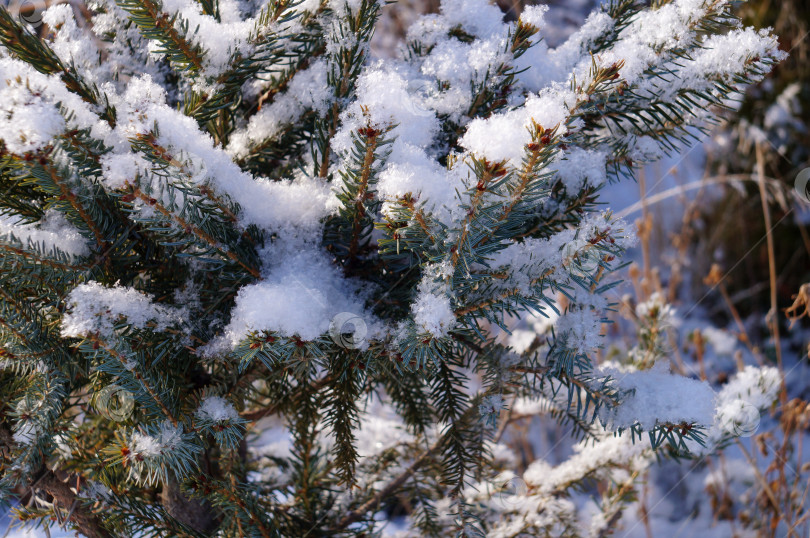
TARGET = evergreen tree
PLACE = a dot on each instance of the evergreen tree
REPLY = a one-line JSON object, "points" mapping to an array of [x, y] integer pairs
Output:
{"points": [[218, 216]]}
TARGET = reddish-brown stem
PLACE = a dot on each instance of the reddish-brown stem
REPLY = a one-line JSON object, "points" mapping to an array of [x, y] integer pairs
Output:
{"points": [[200, 234], [113, 353]]}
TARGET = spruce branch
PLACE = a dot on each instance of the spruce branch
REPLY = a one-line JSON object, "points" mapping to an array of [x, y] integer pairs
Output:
{"points": [[495, 87], [170, 31], [259, 414], [209, 276], [35, 52], [73, 200], [161, 156], [348, 235], [389, 489], [252, 514], [538, 153], [200, 234], [343, 415], [485, 172], [362, 191], [97, 343], [345, 64]]}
